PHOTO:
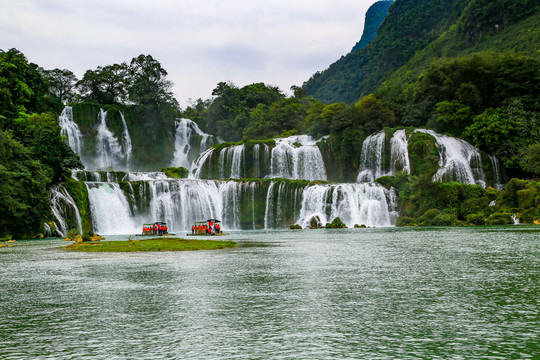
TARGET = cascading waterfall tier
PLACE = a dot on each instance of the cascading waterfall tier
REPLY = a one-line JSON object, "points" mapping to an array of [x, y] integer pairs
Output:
{"points": [[362, 204], [127, 141], [70, 129], [65, 211], [295, 158], [286, 192], [109, 151], [121, 207], [458, 160], [371, 158], [189, 142]]}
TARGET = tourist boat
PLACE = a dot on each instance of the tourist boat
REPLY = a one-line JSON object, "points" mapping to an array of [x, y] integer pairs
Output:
{"points": [[157, 228], [210, 227]]}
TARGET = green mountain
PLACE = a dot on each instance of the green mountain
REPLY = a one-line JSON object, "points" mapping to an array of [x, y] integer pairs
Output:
{"points": [[417, 32], [374, 18]]}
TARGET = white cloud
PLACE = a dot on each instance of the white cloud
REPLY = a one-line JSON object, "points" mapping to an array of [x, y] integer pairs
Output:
{"points": [[199, 43]]}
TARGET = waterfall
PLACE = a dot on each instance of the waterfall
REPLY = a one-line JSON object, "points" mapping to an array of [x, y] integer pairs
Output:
{"points": [[496, 170], [515, 219], [297, 157], [70, 129], [256, 160], [199, 163], [110, 209], [185, 132], [252, 189], [236, 161], [459, 160], [368, 204], [127, 141], [64, 210], [269, 209], [231, 162], [231, 197], [371, 158], [399, 154], [108, 150], [122, 209]]}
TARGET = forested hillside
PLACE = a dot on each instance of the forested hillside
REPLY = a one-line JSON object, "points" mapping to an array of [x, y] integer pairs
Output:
{"points": [[415, 33]]}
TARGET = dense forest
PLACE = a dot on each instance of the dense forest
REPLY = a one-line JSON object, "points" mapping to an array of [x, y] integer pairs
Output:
{"points": [[433, 65]]}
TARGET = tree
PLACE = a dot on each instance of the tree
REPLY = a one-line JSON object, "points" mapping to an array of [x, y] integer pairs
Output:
{"points": [[24, 199], [61, 83], [530, 159], [18, 83], [452, 117], [148, 84], [40, 134], [105, 85], [373, 115]]}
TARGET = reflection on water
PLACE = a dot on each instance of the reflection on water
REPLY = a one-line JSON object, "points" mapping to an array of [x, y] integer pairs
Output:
{"points": [[309, 294]]}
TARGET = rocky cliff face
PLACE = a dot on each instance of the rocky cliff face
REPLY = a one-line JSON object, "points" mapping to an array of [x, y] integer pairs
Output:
{"points": [[374, 18]]}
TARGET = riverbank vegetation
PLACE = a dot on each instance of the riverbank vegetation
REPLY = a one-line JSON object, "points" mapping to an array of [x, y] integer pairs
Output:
{"points": [[422, 202], [150, 245]]}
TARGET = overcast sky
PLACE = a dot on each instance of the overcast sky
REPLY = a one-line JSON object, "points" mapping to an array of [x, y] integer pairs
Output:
{"points": [[198, 42]]}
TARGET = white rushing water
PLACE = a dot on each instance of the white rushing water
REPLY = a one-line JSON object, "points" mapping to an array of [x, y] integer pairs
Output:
{"points": [[399, 153], [64, 207], [371, 157], [297, 157], [181, 202], [110, 209], [459, 161], [127, 141], [108, 150], [70, 129], [362, 204], [185, 150], [198, 164]]}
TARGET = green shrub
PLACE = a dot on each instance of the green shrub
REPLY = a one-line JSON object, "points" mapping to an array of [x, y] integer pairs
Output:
{"points": [[444, 220], [428, 217], [423, 154], [336, 224], [500, 219], [405, 221], [476, 219], [176, 172], [527, 197], [530, 215]]}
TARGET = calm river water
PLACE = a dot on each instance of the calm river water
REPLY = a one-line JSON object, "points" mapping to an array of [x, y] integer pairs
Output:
{"points": [[387, 293]]}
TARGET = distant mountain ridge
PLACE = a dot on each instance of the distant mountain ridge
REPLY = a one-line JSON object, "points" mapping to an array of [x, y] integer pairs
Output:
{"points": [[374, 18], [417, 32]]}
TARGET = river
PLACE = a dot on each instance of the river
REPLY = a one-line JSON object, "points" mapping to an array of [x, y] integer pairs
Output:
{"points": [[380, 293]]}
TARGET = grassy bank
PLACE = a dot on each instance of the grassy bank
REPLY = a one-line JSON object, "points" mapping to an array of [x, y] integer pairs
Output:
{"points": [[170, 244]]}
